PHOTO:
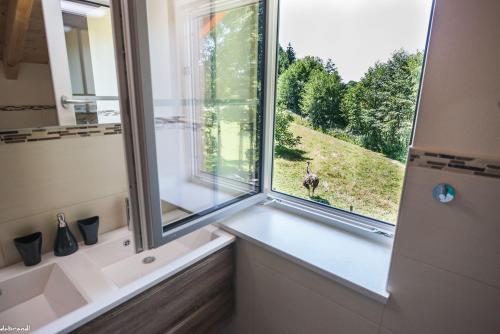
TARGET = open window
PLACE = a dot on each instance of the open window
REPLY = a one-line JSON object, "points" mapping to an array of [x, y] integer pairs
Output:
{"points": [[195, 78], [347, 83], [223, 113]]}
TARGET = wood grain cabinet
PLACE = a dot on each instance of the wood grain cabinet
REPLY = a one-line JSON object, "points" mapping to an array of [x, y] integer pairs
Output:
{"points": [[199, 299]]}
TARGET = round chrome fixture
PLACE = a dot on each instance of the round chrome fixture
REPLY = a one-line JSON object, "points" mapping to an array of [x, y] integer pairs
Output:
{"points": [[148, 259]]}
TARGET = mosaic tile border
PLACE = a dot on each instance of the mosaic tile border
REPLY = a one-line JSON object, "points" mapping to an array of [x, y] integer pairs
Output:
{"points": [[454, 163], [28, 108], [58, 132]]}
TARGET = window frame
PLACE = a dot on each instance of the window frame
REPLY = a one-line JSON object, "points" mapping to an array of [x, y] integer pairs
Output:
{"points": [[327, 214], [148, 231], [134, 72]]}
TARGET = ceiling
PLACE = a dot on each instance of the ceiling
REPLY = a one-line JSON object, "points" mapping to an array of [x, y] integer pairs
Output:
{"points": [[35, 44]]}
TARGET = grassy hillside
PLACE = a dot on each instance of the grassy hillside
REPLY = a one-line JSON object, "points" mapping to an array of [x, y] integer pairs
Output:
{"points": [[349, 174]]}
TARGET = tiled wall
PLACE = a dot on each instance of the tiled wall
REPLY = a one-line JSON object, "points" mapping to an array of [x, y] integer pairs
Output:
{"points": [[459, 106], [81, 175], [445, 273], [455, 163]]}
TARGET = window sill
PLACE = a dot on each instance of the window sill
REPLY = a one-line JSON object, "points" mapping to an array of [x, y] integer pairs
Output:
{"points": [[357, 261]]}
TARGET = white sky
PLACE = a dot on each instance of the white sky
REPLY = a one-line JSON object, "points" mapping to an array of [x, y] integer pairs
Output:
{"points": [[354, 33]]}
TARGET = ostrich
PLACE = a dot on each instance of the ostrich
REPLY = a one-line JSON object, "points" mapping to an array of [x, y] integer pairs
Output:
{"points": [[311, 180]]}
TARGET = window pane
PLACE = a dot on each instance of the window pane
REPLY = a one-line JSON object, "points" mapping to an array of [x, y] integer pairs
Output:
{"points": [[348, 79], [207, 92]]}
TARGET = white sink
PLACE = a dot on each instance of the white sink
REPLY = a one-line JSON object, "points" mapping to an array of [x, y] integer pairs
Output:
{"points": [[122, 265], [38, 297], [59, 294]]}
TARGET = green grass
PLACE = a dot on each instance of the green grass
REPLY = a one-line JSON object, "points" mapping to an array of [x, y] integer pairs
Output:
{"points": [[349, 174]]}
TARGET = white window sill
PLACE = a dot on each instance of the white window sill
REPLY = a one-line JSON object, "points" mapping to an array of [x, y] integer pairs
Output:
{"points": [[358, 261]]}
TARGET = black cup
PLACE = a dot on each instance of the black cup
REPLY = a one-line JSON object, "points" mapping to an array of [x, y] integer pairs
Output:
{"points": [[89, 229], [30, 248]]}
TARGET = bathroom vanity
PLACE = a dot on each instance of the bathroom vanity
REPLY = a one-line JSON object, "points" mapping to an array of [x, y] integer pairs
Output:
{"points": [[197, 300], [183, 286]]}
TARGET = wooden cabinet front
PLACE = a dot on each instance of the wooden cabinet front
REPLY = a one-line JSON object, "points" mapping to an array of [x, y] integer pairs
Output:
{"points": [[200, 299]]}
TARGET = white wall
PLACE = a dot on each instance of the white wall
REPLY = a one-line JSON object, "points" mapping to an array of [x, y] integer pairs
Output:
{"points": [[445, 273]]}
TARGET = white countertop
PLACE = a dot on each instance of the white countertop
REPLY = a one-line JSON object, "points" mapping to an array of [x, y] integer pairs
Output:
{"points": [[101, 292], [355, 260]]}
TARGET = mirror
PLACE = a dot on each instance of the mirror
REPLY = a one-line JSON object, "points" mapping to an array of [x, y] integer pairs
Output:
{"points": [[57, 64]]}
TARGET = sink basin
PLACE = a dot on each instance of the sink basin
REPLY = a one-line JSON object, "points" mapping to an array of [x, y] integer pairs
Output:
{"points": [[38, 297], [122, 265]]}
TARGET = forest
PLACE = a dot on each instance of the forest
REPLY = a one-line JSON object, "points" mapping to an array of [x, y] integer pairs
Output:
{"points": [[375, 112]]}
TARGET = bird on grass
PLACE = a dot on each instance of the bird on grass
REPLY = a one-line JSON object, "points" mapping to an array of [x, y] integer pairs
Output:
{"points": [[311, 180]]}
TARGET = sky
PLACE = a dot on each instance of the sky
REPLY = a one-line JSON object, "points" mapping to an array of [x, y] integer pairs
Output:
{"points": [[353, 33]]}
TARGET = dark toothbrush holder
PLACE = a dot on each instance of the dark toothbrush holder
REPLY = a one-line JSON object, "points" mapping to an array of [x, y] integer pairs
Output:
{"points": [[30, 248], [89, 229]]}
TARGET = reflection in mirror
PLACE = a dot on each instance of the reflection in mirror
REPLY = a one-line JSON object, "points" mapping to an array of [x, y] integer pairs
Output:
{"points": [[91, 60], [26, 92], [52, 50]]}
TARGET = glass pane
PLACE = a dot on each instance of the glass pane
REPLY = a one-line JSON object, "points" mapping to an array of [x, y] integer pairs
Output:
{"points": [[206, 65], [348, 79]]}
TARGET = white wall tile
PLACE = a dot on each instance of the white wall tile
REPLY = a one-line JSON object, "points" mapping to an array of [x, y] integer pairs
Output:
{"points": [[283, 306], [461, 236], [42, 176], [425, 299], [344, 296], [459, 104]]}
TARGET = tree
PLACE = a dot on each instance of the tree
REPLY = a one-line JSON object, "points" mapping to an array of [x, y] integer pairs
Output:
{"points": [[321, 99], [291, 82], [283, 63], [285, 58], [284, 138], [290, 54], [380, 107]]}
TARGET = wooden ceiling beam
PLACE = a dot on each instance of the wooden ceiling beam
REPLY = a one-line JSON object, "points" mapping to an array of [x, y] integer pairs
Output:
{"points": [[17, 20]]}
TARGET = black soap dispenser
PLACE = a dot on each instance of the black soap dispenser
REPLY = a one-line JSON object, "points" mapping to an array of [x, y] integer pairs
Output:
{"points": [[65, 243]]}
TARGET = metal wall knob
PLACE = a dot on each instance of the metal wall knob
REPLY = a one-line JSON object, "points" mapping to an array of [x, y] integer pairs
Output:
{"points": [[443, 193]]}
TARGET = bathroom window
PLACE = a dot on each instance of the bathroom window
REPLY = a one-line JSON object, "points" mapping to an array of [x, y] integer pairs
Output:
{"points": [[226, 112], [201, 67], [348, 77]]}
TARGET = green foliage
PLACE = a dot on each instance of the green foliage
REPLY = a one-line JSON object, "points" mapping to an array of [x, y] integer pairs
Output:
{"points": [[285, 58], [321, 99], [381, 106], [210, 140], [290, 54], [292, 81], [284, 138]]}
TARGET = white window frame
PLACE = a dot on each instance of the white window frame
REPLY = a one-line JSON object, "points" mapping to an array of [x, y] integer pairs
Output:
{"points": [[133, 66], [309, 209]]}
